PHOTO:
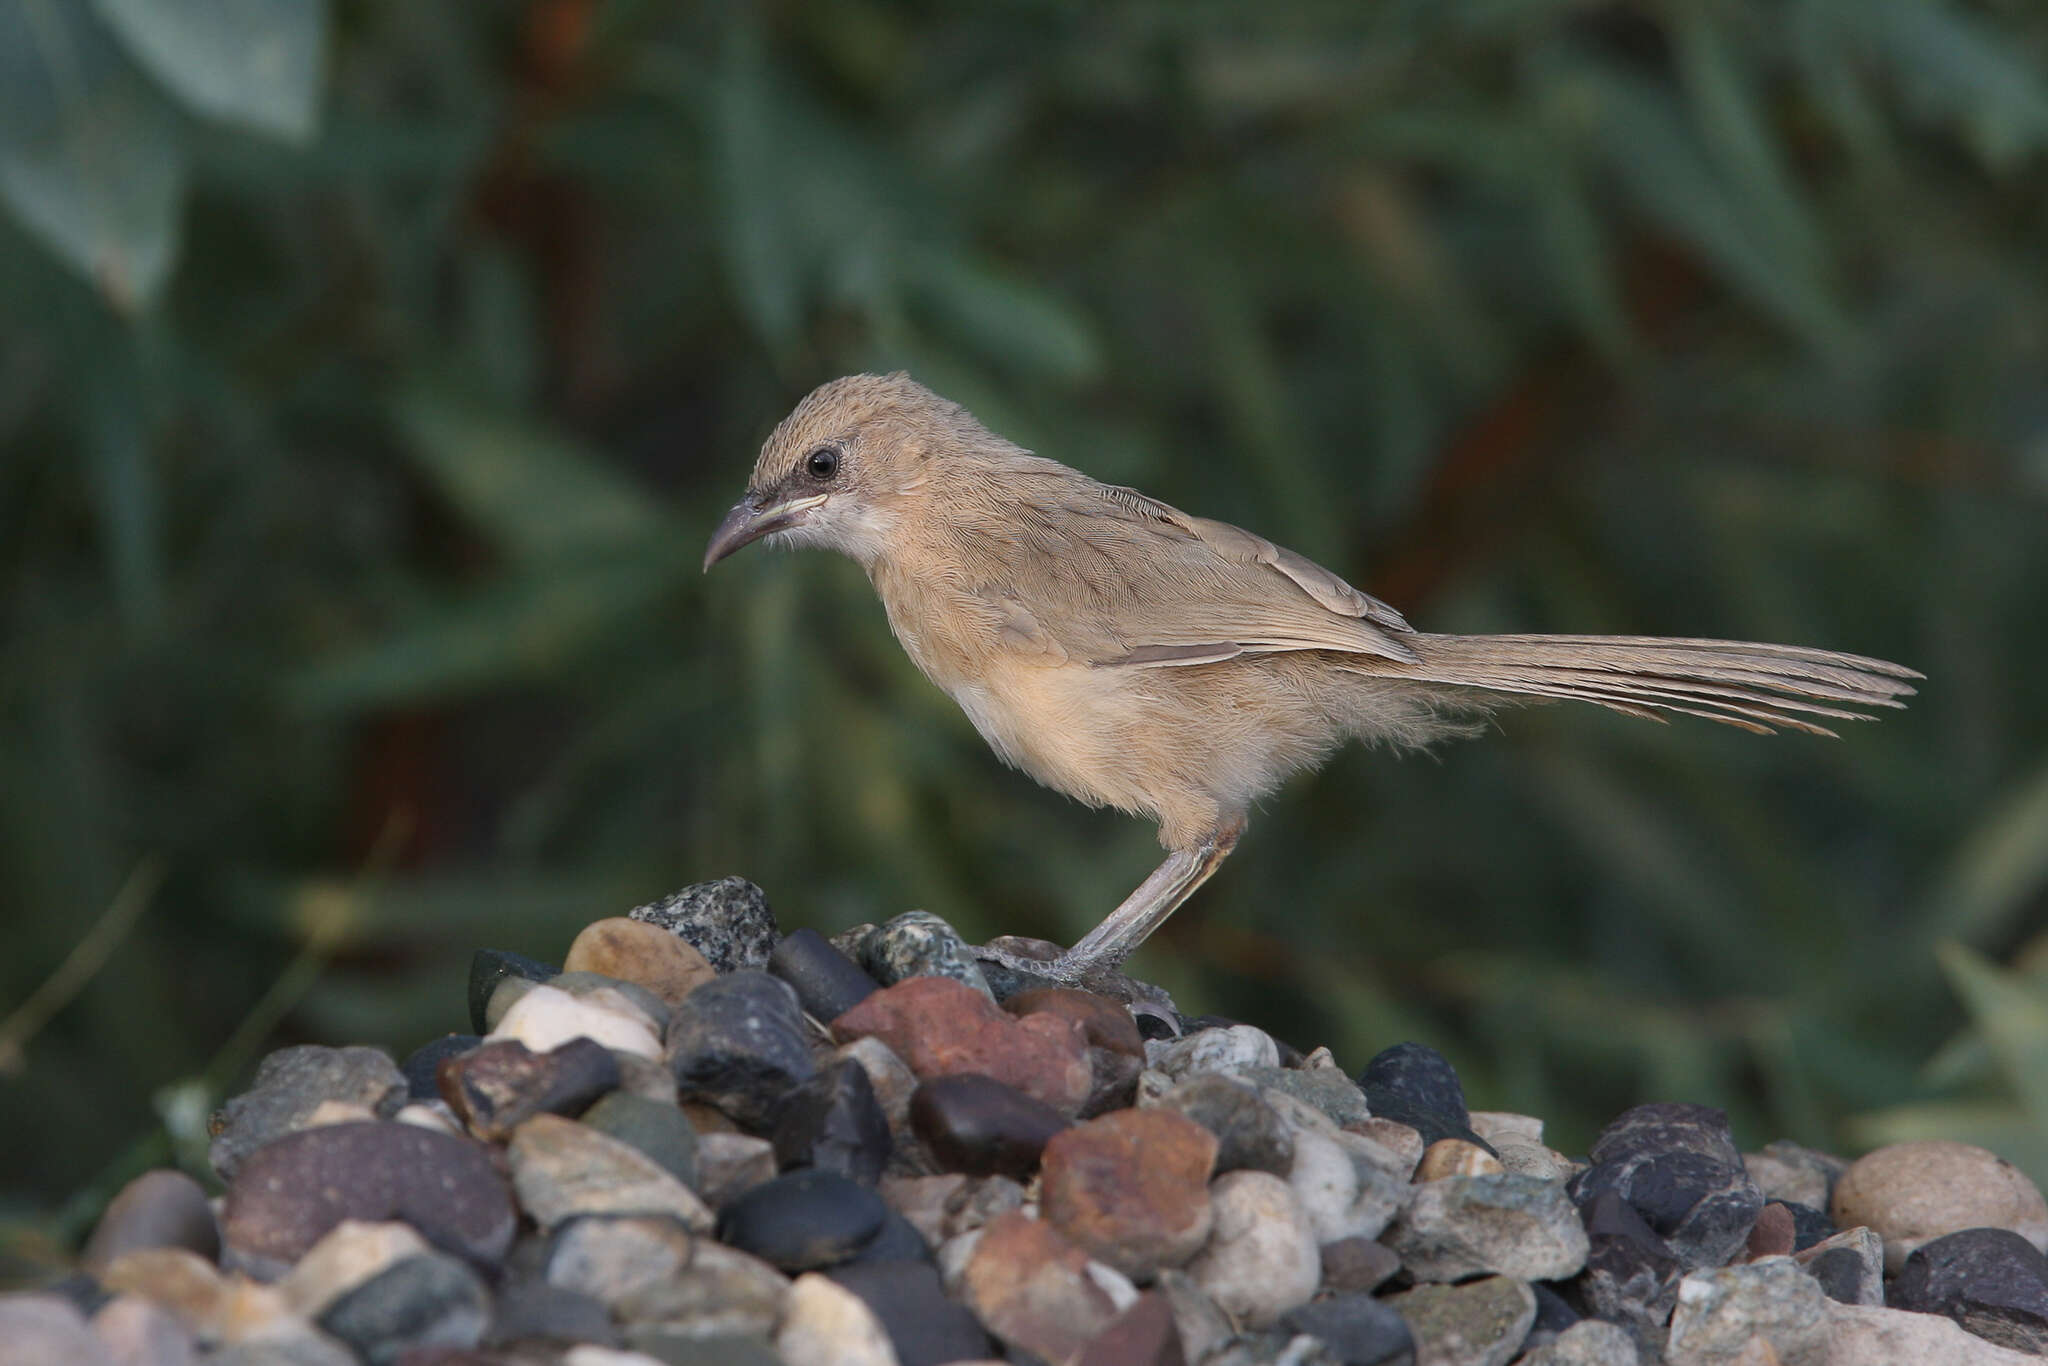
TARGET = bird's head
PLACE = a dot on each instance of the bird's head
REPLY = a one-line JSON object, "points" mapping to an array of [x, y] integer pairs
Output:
{"points": [[841, 469]]}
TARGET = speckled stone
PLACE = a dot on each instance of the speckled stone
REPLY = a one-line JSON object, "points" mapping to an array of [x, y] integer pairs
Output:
{"points": [[290, 1085], [1479, 1323], [1719, 1311], [728, 921], [1506, 1225], [919, 944]]}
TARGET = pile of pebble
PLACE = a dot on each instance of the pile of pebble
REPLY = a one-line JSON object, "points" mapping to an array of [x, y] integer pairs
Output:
{"points": [[702, 1141]]}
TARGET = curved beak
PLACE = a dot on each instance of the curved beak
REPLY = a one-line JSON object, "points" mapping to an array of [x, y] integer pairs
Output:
{"points": [[749, 521]]}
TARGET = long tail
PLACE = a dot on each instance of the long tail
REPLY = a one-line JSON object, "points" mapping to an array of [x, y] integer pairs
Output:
{"points": [[1739, 683]]}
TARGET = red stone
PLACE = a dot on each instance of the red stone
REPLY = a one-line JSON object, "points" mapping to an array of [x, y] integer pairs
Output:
{"points": [[1030, 1287], [1132, 1187], [940, 1027]]}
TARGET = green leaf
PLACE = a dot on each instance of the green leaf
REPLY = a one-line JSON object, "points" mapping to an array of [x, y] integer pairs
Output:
{"points": [[1009, 319], [2013, 1015], [2001, 868], [253, 62], [1959, 67], [535, 493], [91, 161]]}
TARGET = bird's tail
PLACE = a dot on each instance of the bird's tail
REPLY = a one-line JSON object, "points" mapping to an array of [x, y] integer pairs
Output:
{"points": [[1739, 683]]}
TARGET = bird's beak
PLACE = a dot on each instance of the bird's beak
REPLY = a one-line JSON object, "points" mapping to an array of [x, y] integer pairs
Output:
{"points": [[750, 521]]}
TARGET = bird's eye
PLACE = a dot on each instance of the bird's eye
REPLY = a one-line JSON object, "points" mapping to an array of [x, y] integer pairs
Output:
{"points": [[823, 463]]}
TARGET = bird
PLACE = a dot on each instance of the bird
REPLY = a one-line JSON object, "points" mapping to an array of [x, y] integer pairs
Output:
{"points": [[1131, 655]]}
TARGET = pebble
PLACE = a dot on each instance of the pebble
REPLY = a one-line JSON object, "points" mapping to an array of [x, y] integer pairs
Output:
{"points": [[161, 1208], [803, 1221], [612, 1258], [1131, 1188], [496, 1087], [488, 968], [1680, 1169], [975, 1124], [834, 1123], [739, 1043], [1795, 1175], [1479, 1323], [1991, 1281], [135, 1332], [1774, 1234], [1358, 1329], [1449, 1157], [562, 1169], [1415, 1085], [296, 1345], [1357, 1265], [825, 1324], [925, 1327], [352, 1252], [1630, 1276], [532, 1312], [1860, 1335], [427, 1300], [919, 944], [421, 1067], [646, 955], [1030, 1286], [891, 1078], [1912, 1193], [1113, 1081], [730, 1164], [658, 1130], [1327, 1089], [1849, 1266], [939, 1027], [728, 921], [1261, 1259], [1230, 1048], [290, 1085], [827, 982], [1463, 1226], [945, 1206], [288, 1194], [1144, 1334], [1347, 1194], [546, 1017], [1719, 1311], [1250, 1134], [1589, 1342], [1402, 1142], [1104, 1023], [43, 1329], [721, 1292]]}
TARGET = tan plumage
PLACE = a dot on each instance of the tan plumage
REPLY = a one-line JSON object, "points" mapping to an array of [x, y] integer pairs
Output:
{"points": [[1130, 655]]}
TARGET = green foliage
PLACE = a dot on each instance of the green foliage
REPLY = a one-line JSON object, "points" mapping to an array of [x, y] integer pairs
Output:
{"points": [[370, 380]]}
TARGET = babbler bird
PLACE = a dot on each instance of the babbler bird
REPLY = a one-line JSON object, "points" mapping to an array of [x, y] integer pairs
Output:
{"points": [[1130, 655]]}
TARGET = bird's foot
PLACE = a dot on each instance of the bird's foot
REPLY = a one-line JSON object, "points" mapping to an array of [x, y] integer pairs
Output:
{"points": [[1040, 963]]}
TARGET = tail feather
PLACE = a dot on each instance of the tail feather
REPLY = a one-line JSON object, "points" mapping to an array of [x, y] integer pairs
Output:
{"points": [[1750, 685]]}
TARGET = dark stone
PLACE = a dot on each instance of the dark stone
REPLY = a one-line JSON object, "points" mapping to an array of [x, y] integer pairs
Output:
{"points": [[421, 1066], [498, 1086], [1144, 1334], [419, 1302], [1809, 1226], [1631, 1277], [1113, 1082], [1249, 1133], [659, 1130], [899, 1241], [161, 1208], [290, 1085], [85, 1293], [1992, 1281], [919, 944], [827, 983], [803, 1221], [531, 1310], [739, 1043], [1358, 1329], [488, 967], [1413, 1084], [975, 1124], [1680, 1169], [1554, 1314], [728, 921], [834, 1123], [1846, 1276], [1154, 1023], [291, 1192], [925, 1327]]}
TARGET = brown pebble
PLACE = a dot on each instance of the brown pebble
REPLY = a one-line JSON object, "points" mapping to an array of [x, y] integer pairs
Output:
{"points": [[1132, 1187], [1773, 1234], [646, 955], [940, 1027], [1143, 1335], [1357, 1265], [1030, 1287], [1106, 1024], [1455, 1157]]}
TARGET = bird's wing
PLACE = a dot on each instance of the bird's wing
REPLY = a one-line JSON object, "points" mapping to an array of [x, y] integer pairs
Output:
{"points": [[1108, 575]]}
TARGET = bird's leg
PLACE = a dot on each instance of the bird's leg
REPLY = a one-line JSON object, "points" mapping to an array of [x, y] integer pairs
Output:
{"points": [[1105, 947]]}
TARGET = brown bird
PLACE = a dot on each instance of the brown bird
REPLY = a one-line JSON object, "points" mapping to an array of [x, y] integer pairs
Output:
{"points": [[1130, 655]]}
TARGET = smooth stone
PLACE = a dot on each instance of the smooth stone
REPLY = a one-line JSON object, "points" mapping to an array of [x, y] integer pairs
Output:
{"points": [[290, 1085], [1113, 1081], [1131, 1188], [731, 1164], [1261, 1259], [288, 1194], [1229, 1048], [562, 1169], [925, 1327], [739, 1043], [1463, 1226], [628, 998], [531, 1312], [898, 1241], [1991, 1281], [721, 1292], [1680, 1169], [919, 944], [670, 1344], [648, 1078], [1630, 1276], [44, 1329], [1030, 1287], [658, 1130], [1554, 1314], [306, 1347], [1849, 1266], [1357, 1265], [501, 1084], [1359, 1330], [646, 955], [1417, 1086], [135, 1332], [975, 1124], [490, 967], [1402, 1142], [1795, 1175], [351, 1253], [1104, 1023], [1449, 1157], [1479, 1323], [834, 1123], [1719, 1311], [890, 1077], [1144, 1334], [1250, 1135], [1774, 1234], [827, 982], [1809, 1226], [1589, 1342], [612, 1258], [940, 1027], [803, 1221], [506, 995], [160, 1208], [825, 1324], [1912, 1193], [1325, 1088], [422, 1066], [429, 1300], [1864, 1335], [1346, 1194], [546, 1017], [727, 920]]}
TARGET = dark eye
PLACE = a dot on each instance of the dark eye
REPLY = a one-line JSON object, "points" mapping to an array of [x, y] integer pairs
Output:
{"points": [[823, 463]]}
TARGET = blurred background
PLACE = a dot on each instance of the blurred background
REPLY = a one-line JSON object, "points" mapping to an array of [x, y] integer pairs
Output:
{"points": [[372, 375]]}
